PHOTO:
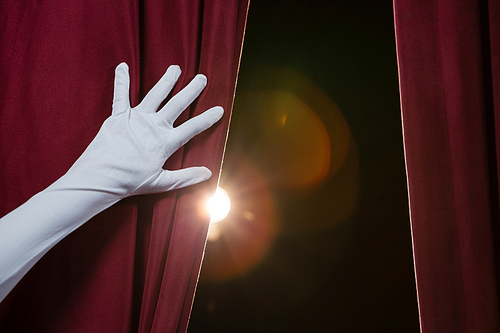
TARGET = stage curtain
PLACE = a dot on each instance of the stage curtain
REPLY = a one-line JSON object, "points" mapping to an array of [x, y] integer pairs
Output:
{"points": [[449, 69], [134, 267]]}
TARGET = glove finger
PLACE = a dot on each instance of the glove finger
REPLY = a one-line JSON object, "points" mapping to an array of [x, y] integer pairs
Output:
{"points": [[121, 101], [194, 126], [160, 91], [183, 99], [175, 179]]}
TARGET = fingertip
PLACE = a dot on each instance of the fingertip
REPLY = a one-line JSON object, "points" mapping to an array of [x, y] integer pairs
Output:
{"points": [[217, 113], [176, 69], [207, 173], [191, 176], [122, 66], [219, 110], [202, 78], [203, 173]]}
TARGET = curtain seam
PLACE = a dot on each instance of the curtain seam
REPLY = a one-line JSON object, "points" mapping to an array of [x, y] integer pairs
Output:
{"points": [[452, 169]]}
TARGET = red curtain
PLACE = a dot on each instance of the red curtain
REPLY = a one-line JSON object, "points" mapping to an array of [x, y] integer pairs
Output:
{"points": [[135, 266], [449, 66]]}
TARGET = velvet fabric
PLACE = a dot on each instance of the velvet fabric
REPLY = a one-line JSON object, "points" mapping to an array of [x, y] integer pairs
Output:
{"points": [[449, 67], [134, 267]]}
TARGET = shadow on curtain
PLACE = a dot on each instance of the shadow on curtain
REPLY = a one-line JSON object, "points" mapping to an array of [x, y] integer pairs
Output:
{"points": [[449, 67], [135, 266]]}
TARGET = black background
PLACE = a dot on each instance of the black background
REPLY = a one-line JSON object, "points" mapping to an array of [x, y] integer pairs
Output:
{"points": [[357, 277]]}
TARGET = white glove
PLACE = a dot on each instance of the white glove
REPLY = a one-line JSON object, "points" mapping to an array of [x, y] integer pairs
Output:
{"points": [[124, 159]]}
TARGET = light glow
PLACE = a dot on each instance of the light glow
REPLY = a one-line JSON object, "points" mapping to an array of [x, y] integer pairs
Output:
{"points": [[219, 205]]}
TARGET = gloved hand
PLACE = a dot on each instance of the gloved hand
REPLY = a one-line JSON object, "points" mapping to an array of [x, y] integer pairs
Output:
{"points": [[124, 159], [127, 155]]}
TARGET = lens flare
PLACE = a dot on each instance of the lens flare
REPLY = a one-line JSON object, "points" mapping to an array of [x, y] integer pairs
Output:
{"points": [[301, 137], [293, 145], [239, 243], [219, 205], [302, 144]]}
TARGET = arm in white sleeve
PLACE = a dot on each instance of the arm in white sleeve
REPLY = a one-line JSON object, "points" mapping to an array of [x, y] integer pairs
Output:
{"points": [[124, 159]]}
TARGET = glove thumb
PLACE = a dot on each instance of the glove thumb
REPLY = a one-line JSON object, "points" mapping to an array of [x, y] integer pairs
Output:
{"points": [[169, 180]]}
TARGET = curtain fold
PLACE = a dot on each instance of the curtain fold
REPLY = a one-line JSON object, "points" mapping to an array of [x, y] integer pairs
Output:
{"points": [[135, 266], [448, 58]]}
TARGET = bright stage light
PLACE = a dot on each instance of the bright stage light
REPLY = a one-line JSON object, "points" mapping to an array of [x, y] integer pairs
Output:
{"points": [[219, 205]]}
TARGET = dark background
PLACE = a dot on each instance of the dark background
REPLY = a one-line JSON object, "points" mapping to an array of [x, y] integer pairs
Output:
{"points": [[354, 276]]}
